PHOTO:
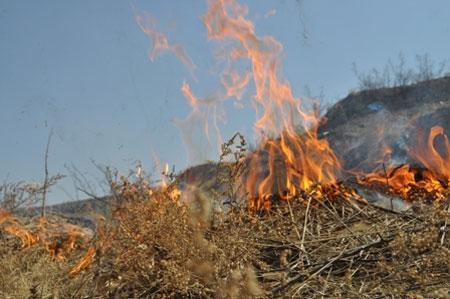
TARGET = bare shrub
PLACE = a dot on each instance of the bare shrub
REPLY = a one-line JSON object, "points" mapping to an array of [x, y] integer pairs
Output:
{"points": [[395, 74], [162, 247], [19, 194]]}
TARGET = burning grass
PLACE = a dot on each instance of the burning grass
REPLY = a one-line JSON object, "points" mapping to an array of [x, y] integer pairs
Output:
{"points": [[312, 246], [296, 232]]}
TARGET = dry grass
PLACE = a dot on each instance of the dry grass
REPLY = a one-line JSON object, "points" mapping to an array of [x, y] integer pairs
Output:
{"points": [[32, 273], [156, 247]]}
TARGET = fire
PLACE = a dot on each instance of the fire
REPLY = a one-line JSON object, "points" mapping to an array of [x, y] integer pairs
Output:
{"points": [[11, 225], [161, 44], [433, 178], [58, 239], [291, 158], [437, 162], [305, 159], [85, 262], [129, 191]]}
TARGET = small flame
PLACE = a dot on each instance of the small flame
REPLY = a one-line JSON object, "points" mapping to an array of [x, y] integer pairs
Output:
{"points": [[85, 262], [57, 239], [12, 226], [147, 23], [200, 129]]}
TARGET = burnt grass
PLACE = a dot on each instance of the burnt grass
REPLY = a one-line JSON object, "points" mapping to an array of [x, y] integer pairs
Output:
{"points": [[148, 245]]}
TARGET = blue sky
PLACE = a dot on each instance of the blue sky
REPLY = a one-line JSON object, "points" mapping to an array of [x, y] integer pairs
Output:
{"points": [[81, 68]]}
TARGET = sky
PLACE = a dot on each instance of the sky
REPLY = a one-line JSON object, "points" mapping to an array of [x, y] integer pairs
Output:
{"points": [[81, 69]]}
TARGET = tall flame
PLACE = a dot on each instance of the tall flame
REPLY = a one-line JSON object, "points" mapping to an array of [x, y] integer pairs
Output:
{"points": [[290, 157], [306, 159]]}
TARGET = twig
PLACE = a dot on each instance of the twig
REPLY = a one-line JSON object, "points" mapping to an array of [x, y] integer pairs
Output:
{"points": [[318, 272], [104, 199], [344, 254], [294, 223], [299, 276], [387, 183], [302, 242], [339, 219], [444, 228], [44, 194]]}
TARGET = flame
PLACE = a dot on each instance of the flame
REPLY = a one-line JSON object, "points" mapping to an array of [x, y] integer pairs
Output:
{"points": [[306, 160], [291, 158], [404, 178], [57, 239], [85, 262], [435, 161], [200, 129], [234, 82], [161, 44], [12, 226], [103, 237]]}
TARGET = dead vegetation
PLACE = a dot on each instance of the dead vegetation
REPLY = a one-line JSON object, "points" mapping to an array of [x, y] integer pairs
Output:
{"points": [[398, 74], [23, 194], [153, 245]]}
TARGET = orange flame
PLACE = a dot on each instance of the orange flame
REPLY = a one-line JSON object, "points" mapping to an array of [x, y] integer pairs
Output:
{"points": [[306, 159], [12, 226], [57, 239], [430, 157], [435, 177], [85, 262], [200, 129], [147, 23]]}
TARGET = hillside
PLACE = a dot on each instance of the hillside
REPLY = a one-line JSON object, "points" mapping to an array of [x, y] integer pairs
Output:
{"points": [[353, 128], [357, 125]]}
